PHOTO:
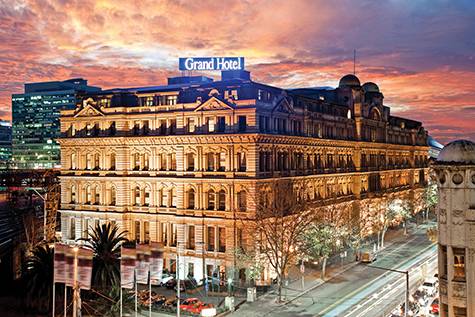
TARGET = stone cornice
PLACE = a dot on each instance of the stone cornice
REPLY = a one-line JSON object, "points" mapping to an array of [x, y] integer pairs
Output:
{"points": [[194, 139]]}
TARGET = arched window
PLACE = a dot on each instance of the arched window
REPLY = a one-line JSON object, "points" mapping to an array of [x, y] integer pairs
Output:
{"points": [[191, 198], [190, 158], [161, 200], [242, 200], [73, 194], [145, 162], [96, 161], [88, 195], [89, 161], [112, 161], [136, 161], [97, 196], [211, 199], [137, 196], [222, 200], [73, 161], [172, 194], [210, 161], [147, 196], [113, 196]]}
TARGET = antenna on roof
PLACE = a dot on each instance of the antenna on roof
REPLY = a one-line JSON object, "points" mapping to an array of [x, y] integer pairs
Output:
{"points": [[354, 62]]}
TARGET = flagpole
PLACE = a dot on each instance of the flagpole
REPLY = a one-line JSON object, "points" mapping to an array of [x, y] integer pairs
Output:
{"points": [[135, 272], [65, 298], [149, 291], [75, 283], [120, 314]]}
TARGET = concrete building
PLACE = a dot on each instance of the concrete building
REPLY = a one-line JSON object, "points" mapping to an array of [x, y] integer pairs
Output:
{"points": [[180, 163], [35, 120], [455, 169]]}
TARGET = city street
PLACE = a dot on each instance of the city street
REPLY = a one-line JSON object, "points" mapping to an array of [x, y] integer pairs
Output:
{"points": [[360, 290]]}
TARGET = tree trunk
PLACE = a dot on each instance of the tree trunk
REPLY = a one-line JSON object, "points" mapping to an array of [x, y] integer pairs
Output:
{"points": [[383, 233], [279, 288], [324, 266], [405, 227]]}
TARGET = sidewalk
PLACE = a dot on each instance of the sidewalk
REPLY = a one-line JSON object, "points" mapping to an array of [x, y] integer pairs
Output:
{"points": [[266, 304]]}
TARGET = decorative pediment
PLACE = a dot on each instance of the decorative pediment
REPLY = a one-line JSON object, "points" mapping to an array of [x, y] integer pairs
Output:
{"points": [[284, 105], [214, 103], [89, 111]]}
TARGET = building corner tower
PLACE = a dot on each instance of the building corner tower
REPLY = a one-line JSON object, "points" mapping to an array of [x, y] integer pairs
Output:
{"points": [[455, 169]]}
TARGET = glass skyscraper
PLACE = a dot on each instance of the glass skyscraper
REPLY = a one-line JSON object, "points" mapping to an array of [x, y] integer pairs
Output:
{"points": [[5, 144], [35, 116]]}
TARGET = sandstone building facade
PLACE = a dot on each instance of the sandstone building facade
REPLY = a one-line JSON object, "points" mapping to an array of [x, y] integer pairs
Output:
{"points": [[180, 163], [455, 169]]}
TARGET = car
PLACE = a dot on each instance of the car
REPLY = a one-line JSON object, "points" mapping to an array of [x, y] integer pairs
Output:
{"points": [[434, 307], [171, 283], [186, 284], [367, 256], [165, 279], [430, 286], [194, 305]]}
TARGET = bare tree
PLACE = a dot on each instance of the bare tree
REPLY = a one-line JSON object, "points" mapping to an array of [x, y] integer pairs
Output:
{"points": [[281, 216]]}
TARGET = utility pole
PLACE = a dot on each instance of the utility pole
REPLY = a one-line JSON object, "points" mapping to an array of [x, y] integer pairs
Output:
{"points": [[406, 306], [75, 283]]}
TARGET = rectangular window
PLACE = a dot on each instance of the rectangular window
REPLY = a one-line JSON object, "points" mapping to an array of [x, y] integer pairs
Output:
{"points": [[137, 231], [145, 127], [222, 239], [241, 162], [136, 130], [210, 123], [221, 124], [112, 129], [172, 127], [459, 264], [191, 237], [163, 127], [173, 162], [172, 100], [164, 231], [85, 229], [190, 126], [146, 229], [174, 235], [242, 124], [72, 228], [222, 162], [210, 238]]}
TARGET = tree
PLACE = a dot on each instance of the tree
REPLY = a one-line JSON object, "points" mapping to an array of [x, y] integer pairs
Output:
{"points": [[397, 210], [280, 219], [431, 197], [39, 277], [105, 241], [252, 262], [321, 240]]}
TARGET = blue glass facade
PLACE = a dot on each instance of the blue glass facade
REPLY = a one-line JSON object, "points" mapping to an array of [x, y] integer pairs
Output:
{"points": [[35, 116], [5, 144]]}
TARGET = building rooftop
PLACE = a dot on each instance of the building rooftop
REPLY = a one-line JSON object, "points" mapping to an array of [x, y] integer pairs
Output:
{"points": [[458, 152]]}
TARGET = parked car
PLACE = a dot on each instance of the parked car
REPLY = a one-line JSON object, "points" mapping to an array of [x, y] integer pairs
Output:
{"points": [[165, 279], [430, 286], [171, 283], [434, 307], [186, 284], [367, 256], [194, 305]]}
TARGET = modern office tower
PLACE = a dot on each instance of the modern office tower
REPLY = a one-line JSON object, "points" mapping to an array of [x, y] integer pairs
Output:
{"points": [[35, 115], [181, 163], [455, 170], [5, 144]]}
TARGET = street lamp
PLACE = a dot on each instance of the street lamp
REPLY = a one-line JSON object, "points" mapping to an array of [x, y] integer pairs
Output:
{"points": [[406, 306]]}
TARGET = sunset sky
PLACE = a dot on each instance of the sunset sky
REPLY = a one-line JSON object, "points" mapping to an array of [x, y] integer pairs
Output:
{"points": [[420, 53]]}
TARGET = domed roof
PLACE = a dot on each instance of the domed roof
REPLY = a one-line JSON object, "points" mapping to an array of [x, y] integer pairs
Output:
{"points": [[460, 151], [370, 87], [349, 80]]}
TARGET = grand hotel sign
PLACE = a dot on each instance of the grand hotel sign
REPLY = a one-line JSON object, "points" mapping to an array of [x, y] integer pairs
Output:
{"points": [[211, 63]]}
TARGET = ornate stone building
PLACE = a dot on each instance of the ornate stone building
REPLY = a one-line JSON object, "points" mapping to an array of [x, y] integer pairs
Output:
{"points": [[455, 169], [179, 163]]}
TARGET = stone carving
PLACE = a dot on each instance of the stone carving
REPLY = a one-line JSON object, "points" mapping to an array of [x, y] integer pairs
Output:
{"points": [[443, 287], [458, 289], [473, 179], [457, 179], [458, 217], [442, 216]]}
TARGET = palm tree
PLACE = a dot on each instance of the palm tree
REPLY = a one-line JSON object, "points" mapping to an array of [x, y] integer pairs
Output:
{"points": [[39, 277], [105, 241]]}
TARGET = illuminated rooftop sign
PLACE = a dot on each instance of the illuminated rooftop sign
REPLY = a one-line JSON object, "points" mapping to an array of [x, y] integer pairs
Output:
{"points": [[211, 63]]}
